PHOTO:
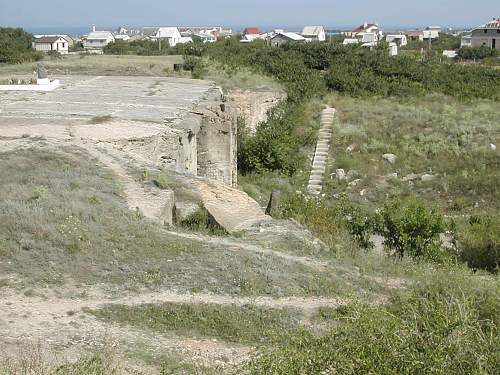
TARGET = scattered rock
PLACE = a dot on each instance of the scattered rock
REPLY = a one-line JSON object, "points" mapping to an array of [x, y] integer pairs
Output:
{"points": [[427, 177], [411, 177], [391, 176], [390, 158], [351, 148], [352, 174], [493, 147], [340, 174], [355, 182]]}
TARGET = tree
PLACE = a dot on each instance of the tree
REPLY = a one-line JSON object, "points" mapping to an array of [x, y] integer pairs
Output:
{"points": [[15, 46]]}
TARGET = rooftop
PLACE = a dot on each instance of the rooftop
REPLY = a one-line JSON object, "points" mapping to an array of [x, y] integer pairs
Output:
{"points": [[47, 39]]}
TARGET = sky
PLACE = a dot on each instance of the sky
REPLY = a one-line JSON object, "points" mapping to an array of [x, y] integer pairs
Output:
{"points": [[237, 13]]}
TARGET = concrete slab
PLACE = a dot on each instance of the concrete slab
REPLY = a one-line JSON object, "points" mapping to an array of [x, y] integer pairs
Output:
{"points": [[101, 105]]}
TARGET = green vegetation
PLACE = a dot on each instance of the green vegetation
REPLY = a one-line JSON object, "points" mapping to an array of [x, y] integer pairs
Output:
{"points": [[15, 46], [478, 242], [477, 53], [242, 324], [445, 325], [411, 229]]}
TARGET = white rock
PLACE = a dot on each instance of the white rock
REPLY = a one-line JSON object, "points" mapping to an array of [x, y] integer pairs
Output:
{"points": [[362, 192], [411, 177], [341, 175], [355, 182], [427, 177], [391, 176], [390, 158], [493, 147], [352, 174]]}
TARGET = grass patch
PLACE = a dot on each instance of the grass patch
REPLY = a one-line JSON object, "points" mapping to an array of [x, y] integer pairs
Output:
{"points": [[446, 324], [100, 119], [241, 324]]}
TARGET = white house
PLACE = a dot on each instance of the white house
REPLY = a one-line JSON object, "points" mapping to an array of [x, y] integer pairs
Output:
{"points": [[365, 28], [186, 39], [123, 37], [368, 37], [466, 41], [393, 49], [348, 41], [432, 32], [285, 37], [399, 39], [97, 40], [451, 54], [315, 33], [171, 34], [51, 43]]}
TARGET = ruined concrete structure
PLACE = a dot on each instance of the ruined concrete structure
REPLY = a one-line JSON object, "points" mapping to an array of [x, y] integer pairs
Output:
{"points": [[180, 124]]}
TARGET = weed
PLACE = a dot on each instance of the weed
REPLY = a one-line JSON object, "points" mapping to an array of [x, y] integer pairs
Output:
{"points": [[100, 119], [247, 324]]}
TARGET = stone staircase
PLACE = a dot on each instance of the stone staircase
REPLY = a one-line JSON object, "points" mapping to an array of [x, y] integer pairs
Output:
{"points": [[321, 153]]}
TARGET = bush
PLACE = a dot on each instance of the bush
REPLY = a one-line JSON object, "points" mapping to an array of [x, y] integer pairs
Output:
{"points": [[476, 53], [478, 242], [411, 228], [446, 325], [54, 55], [15, 46]]}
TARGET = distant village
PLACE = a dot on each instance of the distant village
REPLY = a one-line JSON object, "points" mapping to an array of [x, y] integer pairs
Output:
{"points": [[367, 35]]}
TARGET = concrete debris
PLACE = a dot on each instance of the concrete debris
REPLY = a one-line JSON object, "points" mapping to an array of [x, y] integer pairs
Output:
{"points": [[340, 175], [355, 182]]}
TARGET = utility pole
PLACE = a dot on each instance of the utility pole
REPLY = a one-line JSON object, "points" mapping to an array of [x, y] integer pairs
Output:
{"points": [[159, 44], [430, 44]]}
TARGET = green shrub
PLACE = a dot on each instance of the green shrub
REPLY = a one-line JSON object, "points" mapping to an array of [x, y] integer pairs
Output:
{"points": [[15, 46], [410, 228], [202, 221], [477, 53], [479, 242]]}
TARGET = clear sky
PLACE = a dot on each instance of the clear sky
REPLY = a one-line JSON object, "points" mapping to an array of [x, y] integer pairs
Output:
{"points": [[331, 13]]}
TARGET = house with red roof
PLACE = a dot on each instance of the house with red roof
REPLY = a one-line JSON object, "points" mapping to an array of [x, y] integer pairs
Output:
{"points": [[251, 31], [47, 43]]}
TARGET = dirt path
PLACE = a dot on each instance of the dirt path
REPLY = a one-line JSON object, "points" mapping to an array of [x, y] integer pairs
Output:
{"points": [[61, 323], [152, 203], [235, 245]]}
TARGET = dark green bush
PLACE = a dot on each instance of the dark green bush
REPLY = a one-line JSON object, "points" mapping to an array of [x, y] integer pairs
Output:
{"points": [[477, 53], [478, 242], [412, 229], [15, 46]]}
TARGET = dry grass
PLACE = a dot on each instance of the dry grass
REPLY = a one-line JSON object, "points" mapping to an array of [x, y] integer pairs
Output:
{"points": [[435, 135], [64, 218]]}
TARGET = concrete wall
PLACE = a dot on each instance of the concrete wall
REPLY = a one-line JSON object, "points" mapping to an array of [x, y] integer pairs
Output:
{"points": [[489, 38], [217, 143]]}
